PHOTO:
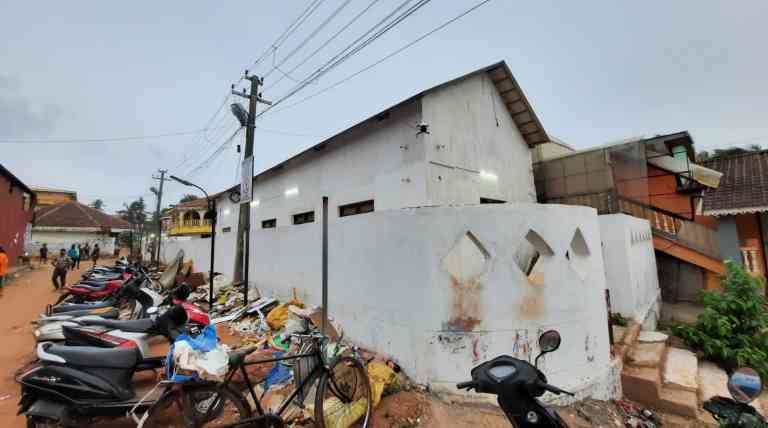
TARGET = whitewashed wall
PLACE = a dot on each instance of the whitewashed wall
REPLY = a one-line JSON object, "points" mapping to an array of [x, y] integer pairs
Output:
{"points": [[630, 267], [58, 240], [474, 149], [198, 249], [414, 284]]}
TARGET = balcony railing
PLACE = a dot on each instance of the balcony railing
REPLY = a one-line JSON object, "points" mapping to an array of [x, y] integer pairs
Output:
{"points": [[191, 227], [664, 223], [674, 227]]}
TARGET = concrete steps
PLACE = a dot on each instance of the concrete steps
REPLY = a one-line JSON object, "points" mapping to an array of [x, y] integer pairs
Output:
{"points": [[661, 377]]}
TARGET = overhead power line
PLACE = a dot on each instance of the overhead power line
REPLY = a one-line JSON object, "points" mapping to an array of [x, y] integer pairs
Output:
{"points": [[385, 58], [307, 39], [352, 49], [326, 43], [137, 138], [310, 9]]}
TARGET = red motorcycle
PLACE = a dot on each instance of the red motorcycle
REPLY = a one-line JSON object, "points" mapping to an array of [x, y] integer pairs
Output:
{"points": [[89, 291]]}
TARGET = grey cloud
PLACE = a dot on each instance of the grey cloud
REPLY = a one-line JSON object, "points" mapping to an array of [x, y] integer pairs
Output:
{"points": [[19, 116]]}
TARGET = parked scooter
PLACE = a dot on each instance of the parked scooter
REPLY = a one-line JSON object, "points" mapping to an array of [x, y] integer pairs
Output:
{"points": [[517, 384], [745, 386], [73, 385]]}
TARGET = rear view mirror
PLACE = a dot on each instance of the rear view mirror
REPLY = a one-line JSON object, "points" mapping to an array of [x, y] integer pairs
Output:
{"points": [[549, 341], [745, 385], [152, 311]]}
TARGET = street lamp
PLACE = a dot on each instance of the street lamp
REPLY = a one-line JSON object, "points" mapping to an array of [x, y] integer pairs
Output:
{"points": [[212, 210]]}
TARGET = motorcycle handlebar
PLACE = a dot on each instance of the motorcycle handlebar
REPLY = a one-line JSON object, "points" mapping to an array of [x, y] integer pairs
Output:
{"points": [[555, 390], [466, 385]]}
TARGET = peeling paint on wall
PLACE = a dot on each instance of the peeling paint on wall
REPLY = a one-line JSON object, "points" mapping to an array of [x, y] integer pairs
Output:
{"points": [[466, 262]]}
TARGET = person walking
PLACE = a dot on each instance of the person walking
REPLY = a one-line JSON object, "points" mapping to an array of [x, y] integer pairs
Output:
{"points": [[60, 266], [95, 253], [3, 267], [85, 251], [44, 254], [74, 254]]}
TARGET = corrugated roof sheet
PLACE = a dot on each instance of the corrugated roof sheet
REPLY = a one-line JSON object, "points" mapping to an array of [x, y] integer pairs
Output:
{"points": [[743, 187]]}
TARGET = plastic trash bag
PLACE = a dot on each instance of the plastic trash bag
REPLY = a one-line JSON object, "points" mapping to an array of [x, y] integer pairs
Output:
{"points": [[340, 415], [278, 317], [197, 357], [279, 374], [380, 375]]}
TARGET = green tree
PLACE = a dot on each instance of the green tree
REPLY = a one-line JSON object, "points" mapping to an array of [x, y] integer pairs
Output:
{"points": [[97, 204], [187, 198], [706, 155], [733, 328]]}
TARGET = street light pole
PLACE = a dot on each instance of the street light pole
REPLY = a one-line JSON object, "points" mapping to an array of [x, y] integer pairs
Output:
{"points": [[214, 214]]}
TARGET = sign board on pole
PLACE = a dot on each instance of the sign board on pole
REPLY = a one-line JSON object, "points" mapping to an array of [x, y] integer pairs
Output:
{"points": [[246, 181]]}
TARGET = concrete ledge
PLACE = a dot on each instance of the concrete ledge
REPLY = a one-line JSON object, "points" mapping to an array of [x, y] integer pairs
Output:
{"points": [[681, 370]]}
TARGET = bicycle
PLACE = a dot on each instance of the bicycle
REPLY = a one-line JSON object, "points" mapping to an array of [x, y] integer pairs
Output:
{"points": [[341, 382]]}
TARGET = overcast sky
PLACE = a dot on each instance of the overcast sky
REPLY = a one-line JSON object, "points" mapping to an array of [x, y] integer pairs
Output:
{"points": [[594, 72]]}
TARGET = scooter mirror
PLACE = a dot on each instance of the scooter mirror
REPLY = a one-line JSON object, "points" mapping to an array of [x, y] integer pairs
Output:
{"points": [[152, 311], [745, 385], [549, 341]]}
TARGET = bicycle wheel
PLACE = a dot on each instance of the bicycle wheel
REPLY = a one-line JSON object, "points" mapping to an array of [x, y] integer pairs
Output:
{"points": [[213, 406], [344, 392], [166, 412]]}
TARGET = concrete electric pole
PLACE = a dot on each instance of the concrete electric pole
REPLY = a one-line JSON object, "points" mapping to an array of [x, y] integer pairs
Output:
{"points": [[159, 194], [244, 221]]}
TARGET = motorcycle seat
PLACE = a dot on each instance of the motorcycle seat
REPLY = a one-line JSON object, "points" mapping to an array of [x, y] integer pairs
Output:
{"points": [[90, 356], [68, 307], [129, 326], [92, 287], [105, 312]]}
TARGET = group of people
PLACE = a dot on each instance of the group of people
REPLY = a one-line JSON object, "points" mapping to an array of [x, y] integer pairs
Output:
{"points": [[68, 260]]}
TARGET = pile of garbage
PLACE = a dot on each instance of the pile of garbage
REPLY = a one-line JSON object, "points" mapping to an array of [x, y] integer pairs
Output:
{"points": [[269, 325]]}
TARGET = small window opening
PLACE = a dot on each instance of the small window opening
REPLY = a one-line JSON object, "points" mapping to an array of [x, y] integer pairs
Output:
{"points": [[269, 224], [491, 201], [356, 208], [307, 217], [226, 229]]}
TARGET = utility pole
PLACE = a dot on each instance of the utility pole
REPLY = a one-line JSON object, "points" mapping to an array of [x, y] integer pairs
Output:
{"points": [[244, 221], [159, 194]]}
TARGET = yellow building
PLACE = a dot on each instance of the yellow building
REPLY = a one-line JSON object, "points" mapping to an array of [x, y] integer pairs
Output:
{"points": [[188, 218], [49, 196]]}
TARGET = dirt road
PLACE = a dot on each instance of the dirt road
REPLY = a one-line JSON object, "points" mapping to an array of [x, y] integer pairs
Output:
{"points": [[22, 301]]}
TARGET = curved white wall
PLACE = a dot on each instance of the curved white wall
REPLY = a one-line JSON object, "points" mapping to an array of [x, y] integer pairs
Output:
{"points": [[413, 284]]}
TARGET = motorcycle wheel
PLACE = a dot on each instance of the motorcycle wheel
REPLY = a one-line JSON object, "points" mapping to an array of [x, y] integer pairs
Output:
{"points": [[35, 422]]}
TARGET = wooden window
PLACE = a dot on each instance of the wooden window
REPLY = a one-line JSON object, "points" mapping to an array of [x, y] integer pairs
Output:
{"points": [[307, 217], [269, 224], [356, 208], [491, 201]]}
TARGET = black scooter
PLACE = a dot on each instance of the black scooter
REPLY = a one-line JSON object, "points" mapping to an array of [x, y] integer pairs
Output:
{"points": [[73, 385], [517, 383]]}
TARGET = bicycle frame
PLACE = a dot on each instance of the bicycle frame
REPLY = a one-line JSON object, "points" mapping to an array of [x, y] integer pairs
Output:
{"points": [[319, 368], [316, 371]]}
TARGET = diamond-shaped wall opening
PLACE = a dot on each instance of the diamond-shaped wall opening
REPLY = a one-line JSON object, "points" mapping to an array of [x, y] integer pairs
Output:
{"points": [[578, 254], [533, 266], [467, 259]]}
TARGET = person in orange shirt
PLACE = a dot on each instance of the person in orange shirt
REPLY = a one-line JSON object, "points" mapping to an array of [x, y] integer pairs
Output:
{"points": [[3, 266]]}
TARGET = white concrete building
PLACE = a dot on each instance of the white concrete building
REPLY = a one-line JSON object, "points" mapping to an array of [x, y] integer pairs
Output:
{"points": [[62, 225], [418, 269]]}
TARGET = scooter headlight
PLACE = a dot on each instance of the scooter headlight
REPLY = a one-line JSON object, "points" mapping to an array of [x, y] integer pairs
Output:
{"points": [[37, 333], [532, 417]]}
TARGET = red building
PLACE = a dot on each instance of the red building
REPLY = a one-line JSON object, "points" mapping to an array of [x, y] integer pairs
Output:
{"points": [[17, 207]]}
